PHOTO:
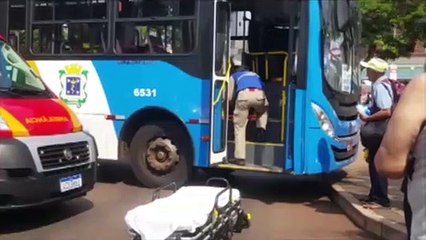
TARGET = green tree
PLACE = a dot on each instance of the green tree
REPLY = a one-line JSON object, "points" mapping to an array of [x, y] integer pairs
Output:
{"points": [[381, 17]]}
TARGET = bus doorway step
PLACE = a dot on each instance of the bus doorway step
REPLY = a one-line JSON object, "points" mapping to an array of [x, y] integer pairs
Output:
{"points": [[249, 167]]}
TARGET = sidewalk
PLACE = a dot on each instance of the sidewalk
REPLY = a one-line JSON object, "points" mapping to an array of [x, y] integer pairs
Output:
{"points": [[385, 223]]}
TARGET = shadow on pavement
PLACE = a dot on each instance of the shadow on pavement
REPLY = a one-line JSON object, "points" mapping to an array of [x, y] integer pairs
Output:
{"points": [[360, 235], [267, 188], [115, 172], [15, 221]]}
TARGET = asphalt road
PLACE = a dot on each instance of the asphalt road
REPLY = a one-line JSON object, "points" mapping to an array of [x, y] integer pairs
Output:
{"points": [[281, 209]]}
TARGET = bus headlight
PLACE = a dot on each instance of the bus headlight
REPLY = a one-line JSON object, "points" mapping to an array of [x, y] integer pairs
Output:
{"points": [[3, 125], [325, 122]]}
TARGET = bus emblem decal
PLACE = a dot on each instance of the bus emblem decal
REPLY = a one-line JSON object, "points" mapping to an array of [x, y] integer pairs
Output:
{"points": [[73, 78]]}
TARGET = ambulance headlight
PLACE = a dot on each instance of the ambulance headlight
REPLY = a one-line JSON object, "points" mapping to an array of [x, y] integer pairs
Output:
{"points": [[324, 121], [3, 124]]}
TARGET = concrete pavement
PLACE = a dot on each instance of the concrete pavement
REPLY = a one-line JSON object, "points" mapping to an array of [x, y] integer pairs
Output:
{"points": [[387, 223], [282, 209]]}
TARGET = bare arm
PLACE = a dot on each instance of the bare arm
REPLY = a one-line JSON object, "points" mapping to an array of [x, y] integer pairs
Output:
{"points": [[403, 129], [383, 100], [231, 86], [380, 115]]}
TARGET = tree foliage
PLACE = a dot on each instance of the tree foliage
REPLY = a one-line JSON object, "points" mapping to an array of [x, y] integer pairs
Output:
{"points": [[381, 17]]}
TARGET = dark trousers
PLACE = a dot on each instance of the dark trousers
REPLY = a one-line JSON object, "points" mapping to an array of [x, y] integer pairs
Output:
{"points": [[379, 185], [407, 213]]}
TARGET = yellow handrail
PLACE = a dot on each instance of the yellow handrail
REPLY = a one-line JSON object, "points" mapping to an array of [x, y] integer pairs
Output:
{"points": [[255, 68], [227, 76], [268, 53]]}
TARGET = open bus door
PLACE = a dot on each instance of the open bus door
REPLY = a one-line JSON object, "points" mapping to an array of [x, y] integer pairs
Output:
{"points": [[219, 109], [264, 33]]}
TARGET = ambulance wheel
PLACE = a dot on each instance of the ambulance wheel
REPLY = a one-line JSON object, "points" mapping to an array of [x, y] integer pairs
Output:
{"points": [[160, 153]]}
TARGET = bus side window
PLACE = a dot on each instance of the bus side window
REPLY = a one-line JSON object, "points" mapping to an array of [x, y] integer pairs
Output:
{"points": [[14, 41], [130, 38], [159, 38], [165, 36], [85, 22], [41, 39]]}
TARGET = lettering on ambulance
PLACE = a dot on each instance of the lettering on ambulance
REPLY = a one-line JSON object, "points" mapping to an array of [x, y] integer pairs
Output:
{"points": [[77, 127], [44, 119]]}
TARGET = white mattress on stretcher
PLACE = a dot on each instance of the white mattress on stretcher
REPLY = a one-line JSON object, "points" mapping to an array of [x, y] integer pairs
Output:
{"points": [[186, 209]]}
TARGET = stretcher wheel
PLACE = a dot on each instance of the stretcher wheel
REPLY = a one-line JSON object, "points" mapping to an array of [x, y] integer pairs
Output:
{"points": [[243, 222], [160, 154]]}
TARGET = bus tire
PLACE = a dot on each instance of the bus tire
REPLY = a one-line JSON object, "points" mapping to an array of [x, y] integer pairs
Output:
{"points": [[160, 154]]}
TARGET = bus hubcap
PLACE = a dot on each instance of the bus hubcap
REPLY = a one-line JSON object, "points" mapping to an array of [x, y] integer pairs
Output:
{"points": [[162, 155]]}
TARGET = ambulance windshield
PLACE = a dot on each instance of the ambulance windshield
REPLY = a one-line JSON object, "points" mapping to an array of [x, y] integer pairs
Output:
{"points": [[16, 76]]}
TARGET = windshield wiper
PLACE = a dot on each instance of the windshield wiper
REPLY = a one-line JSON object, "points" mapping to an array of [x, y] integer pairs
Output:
{"points": [[22, 91], [26, 91], [6, 90]]}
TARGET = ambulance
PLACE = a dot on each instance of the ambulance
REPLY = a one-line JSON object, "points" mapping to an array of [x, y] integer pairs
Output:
{"points": [[45, 156]]}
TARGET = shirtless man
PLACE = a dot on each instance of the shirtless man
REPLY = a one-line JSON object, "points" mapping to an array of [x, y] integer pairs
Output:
{"points": [[403, 154]]}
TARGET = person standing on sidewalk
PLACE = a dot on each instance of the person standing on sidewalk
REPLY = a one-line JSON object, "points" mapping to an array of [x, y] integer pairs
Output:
{"points": [[380, 112], [403, 154]]}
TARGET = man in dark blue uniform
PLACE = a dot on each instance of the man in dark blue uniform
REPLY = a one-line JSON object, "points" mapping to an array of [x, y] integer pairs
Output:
{"points": [[249, 93]]}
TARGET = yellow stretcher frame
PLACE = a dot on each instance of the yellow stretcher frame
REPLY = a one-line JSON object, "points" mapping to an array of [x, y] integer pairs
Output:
{"points": [[255, 68], [224, 84]]}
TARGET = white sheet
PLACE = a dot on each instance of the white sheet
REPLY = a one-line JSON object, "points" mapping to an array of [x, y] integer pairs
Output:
{"points": [[186, 209]]}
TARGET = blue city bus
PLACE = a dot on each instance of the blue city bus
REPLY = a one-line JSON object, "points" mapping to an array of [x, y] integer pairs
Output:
{"points": [[148, 78]]}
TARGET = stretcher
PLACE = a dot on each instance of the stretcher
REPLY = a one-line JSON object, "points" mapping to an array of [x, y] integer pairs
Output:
{"points": [[189, 213]]}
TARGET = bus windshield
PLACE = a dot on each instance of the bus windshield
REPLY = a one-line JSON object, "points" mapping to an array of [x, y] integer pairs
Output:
{"points": [[340, 48], [16, 76]]}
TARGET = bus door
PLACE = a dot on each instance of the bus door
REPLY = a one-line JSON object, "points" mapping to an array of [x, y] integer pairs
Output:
{"points": [[264, 36], [219, 109]]}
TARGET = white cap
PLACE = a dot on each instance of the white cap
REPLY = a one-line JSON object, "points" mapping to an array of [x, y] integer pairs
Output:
{"points": [[376, 64]]}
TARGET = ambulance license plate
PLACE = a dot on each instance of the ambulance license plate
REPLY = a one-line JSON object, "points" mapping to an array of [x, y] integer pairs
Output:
{"points": [[70, 183]]}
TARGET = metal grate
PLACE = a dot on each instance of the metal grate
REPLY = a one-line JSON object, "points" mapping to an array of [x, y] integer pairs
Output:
{"points": [[60, 155]]}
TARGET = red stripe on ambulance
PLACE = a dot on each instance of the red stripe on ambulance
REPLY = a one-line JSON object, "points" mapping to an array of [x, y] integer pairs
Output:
{"points": [[40, 116]]}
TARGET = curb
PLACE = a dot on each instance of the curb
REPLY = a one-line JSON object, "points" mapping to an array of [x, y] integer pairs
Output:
{"points": [[365, 218]]}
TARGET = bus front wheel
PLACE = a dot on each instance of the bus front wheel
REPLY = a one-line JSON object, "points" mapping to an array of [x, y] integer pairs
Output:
{"points": [[159, 154]]}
